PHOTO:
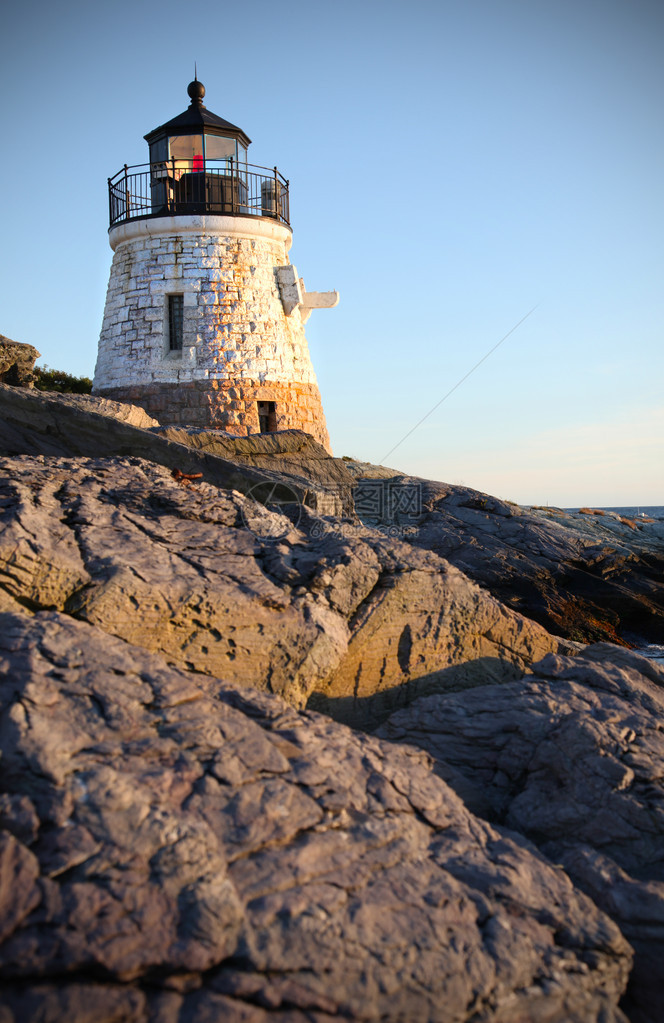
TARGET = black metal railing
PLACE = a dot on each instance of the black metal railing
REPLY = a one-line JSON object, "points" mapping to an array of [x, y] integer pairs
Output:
{"points": [[190, 186]]}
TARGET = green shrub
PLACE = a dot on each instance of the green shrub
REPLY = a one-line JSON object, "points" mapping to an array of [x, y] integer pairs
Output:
{"points": [[47, 379]]}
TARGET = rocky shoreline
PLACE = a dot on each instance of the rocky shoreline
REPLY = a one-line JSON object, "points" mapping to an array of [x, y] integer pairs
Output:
{"points": [[185, 837]]}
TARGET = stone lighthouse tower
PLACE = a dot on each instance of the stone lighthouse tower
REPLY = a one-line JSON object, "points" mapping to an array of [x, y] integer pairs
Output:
{"points": [[204, 317]]}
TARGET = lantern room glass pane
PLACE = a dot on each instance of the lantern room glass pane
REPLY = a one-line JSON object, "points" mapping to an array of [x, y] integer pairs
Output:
{"points": [[219, 148], [186, 147]]}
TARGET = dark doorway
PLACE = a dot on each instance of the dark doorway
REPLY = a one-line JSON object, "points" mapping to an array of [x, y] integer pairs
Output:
{"points": [[267, 416]]}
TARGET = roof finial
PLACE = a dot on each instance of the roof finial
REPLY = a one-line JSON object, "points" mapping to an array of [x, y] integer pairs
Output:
{"points": [[196, 90]]}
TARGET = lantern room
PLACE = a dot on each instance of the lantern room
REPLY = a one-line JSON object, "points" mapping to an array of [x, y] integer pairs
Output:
{"points": [[198, 165]]}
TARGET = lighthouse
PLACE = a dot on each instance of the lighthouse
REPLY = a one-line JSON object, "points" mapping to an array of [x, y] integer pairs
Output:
{"points": [[204, 317]]}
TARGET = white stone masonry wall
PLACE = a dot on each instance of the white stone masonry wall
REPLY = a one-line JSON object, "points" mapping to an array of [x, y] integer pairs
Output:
{"points": [[235, 325]]}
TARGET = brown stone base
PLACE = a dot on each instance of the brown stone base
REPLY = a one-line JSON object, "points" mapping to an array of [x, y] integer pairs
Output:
{"points": [[229, 405]]}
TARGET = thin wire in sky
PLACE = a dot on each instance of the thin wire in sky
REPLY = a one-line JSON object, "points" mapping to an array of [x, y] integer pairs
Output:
{"points": [[459, 382]]}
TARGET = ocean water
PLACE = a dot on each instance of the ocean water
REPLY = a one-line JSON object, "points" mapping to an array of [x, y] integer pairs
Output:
{"points": [[654, 651]]}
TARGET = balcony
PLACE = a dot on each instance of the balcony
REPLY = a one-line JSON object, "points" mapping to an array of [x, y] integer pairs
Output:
{"points": [[188, 187]]}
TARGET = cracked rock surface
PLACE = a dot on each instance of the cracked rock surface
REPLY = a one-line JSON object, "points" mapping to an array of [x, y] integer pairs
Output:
{"points": [[177, 846], [571, 756], [219, 584], [178, 850]]}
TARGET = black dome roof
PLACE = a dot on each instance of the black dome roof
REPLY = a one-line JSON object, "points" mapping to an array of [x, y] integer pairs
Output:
{"points": [[197, 119]]}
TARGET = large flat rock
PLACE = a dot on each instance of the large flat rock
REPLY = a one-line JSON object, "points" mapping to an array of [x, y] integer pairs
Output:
{"points": [[292, 452], [586, 577], [572, 757], [175, 849], [357, 622]]}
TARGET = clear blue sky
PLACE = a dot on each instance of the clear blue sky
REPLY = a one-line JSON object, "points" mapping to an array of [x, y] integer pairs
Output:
{"points": [[451, 163]]}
